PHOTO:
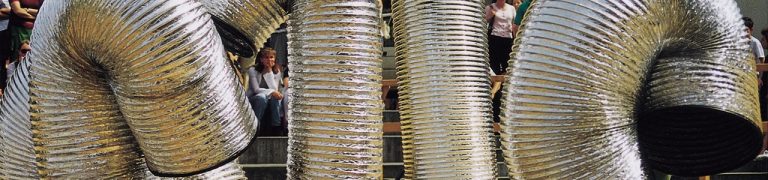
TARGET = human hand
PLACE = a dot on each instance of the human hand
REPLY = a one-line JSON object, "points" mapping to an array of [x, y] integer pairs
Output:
{"points": [[490, 14], [514, 29], [276, 95]]}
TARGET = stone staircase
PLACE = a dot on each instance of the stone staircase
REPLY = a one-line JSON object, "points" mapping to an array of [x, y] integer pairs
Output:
{"points": [[266, 158]]}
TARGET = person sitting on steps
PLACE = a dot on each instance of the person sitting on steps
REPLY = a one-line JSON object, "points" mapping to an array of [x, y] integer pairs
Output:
{"points": [[265, 92]]}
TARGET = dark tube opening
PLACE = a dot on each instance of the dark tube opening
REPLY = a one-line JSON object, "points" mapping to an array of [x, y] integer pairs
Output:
{"points": [[234, 41], [696, 140]]}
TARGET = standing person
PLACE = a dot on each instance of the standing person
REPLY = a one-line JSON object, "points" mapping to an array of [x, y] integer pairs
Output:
{"points": [[520, 14], [764, 95], [757, 51], [286, 97], [757, 48], [500, 16], [22, 22], [264, 91], [5, 42]]}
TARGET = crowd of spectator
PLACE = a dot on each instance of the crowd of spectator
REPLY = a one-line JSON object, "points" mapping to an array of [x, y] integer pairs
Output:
{"points": [[17, 18]]}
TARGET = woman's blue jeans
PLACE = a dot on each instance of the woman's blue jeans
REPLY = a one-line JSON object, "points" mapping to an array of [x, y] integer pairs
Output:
{"points": [[262, 104]]}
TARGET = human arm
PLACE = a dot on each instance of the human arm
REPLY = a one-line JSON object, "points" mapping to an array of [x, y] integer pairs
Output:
{"points": [[278, 79], [760, 53], [255, 79], [757, 49], [285, 82], [512, 28], [32, 12], [21, 12], [489, 13], [5, 11], [521, 12]]}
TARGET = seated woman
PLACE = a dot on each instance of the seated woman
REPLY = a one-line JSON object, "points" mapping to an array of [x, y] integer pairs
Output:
{"points": [[264, 91]]}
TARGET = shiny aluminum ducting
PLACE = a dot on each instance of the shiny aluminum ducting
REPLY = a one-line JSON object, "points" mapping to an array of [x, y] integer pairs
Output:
{"points": [[444, 83], [335, 114], [244, 25], [598, 85], [16, 147], [111, 81], [17, 154]]}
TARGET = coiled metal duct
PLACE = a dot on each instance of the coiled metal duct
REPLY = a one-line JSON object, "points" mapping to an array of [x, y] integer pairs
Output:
{"points": [[17, 149], [442, 62], [244, 25], [17, 154], [110, 77], [583, 73], [335, 129]]}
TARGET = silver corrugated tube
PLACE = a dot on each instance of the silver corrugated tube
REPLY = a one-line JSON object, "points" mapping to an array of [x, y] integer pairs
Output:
{"points": [[112, 80], [444, 86], [598, 85], [17, 153], [17, 150], [335, 129], [245, 25]]}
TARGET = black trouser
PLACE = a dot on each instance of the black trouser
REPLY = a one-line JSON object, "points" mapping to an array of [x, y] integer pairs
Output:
{"points": [[5, 53], [498, 52]]}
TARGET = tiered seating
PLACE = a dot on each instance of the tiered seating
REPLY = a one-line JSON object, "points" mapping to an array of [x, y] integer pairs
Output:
{"points": [[266, 158]]}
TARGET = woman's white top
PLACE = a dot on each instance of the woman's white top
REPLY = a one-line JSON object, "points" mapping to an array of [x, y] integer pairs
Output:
{"points": [[255, 78], [504, 19]]}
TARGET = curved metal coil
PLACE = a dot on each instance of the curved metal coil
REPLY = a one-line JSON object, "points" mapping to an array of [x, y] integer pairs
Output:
{"points": [[442, 62], [244, 25], [335, 129], [17, 150], [17, 154], [589, 79], [143, 77]]}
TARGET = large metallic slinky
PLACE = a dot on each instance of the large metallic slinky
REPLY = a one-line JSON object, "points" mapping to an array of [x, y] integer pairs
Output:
{"points": [[598, 85], [17, 153], [442, 63], [335, 129], [17, 150], [244, 25], [114, 84]]}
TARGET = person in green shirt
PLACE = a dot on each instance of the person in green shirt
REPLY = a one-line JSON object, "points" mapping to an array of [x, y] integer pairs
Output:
{"points": [[519, 14]]}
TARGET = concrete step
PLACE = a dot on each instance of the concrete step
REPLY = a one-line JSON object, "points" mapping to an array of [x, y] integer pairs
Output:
{"points": [[266, 159], [278, 171], [389, 74], [274, 150], [391, 116]]}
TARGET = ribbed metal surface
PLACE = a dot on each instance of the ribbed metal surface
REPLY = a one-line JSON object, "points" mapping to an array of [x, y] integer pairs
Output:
{"points": [[17, 156], [245, 25], [442, 63], [335, 129], [17, 150], [590, 78], [110, 79]]}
